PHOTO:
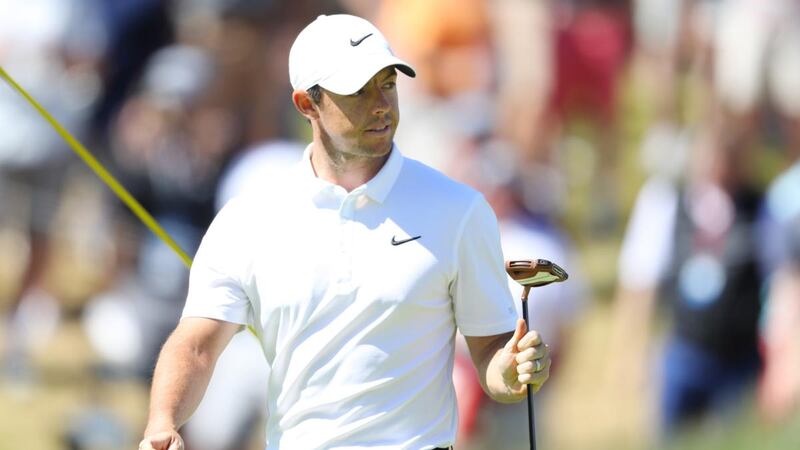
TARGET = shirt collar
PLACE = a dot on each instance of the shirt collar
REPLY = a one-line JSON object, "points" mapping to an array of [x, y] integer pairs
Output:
{"points": [[377, 188]]}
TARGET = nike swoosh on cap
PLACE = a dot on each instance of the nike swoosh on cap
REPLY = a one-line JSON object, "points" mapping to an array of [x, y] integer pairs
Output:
{"points": [[355, 43], [403, 241]]}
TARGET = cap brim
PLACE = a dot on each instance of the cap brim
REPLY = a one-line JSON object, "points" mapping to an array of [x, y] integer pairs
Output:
{"points": [[353, 77]]}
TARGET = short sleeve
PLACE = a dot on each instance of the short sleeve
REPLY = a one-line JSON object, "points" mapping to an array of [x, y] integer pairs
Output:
{"points": [[216, 290], [481, 298]]}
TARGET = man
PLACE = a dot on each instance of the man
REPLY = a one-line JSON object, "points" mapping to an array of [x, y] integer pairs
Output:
{"points": [[354, 273], [692, 244], [779, 232]]}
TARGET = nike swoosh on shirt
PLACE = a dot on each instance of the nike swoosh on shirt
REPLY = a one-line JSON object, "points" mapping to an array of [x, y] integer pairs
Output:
{"points": [[355, 43], [396, 242]]}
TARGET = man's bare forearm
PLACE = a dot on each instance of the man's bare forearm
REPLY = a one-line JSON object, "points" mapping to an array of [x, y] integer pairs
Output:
{"points": [[182, 373], [179, 382]]}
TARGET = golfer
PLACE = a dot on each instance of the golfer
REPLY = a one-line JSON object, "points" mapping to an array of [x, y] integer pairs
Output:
{"points": [[354, 272]]}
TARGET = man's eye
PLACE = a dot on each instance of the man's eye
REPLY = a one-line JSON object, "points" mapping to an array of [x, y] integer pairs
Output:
{"points": [[357, 93], [389, 85]]}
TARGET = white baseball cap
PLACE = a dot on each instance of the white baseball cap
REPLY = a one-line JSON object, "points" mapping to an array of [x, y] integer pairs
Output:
{"points": [[340, 53]]}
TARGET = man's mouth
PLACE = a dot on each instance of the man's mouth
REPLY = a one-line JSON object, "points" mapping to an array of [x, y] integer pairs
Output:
{"points": [[379, 129]]}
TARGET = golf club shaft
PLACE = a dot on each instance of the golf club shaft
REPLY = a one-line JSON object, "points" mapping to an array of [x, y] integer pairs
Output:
{"points": [[531, 417]]}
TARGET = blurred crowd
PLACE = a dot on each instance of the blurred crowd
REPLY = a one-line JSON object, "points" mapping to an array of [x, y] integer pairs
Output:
{"points": [[650, 147]]}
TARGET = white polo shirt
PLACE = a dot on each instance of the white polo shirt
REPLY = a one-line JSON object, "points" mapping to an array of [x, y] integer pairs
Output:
{"points": [[358, 332]]}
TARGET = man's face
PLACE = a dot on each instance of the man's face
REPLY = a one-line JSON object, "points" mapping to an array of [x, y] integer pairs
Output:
{"points": [[362, 124]]}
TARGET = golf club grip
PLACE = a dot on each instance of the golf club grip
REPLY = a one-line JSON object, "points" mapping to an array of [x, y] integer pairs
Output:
{"points": [[531, 417]]}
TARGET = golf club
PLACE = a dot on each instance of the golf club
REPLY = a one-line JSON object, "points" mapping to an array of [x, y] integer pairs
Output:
{"points": [[532, 273]]}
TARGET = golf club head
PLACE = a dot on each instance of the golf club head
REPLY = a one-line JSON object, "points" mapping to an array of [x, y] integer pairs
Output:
{"points": [[535, 272]]}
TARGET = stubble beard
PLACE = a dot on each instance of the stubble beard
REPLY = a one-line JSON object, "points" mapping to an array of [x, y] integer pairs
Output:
{"points": [[343, 155]]}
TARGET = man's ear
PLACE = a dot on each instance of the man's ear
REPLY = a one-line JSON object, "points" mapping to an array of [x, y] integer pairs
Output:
{"points": [[304, 104]]}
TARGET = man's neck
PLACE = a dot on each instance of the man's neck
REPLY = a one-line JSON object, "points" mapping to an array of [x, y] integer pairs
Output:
{"points": [[345, 170]]}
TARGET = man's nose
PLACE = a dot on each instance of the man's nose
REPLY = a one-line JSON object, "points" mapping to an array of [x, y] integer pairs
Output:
{"points": [[381, 103]]}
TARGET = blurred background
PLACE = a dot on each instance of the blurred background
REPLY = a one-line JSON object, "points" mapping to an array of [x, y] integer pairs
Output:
{"points": [[649, 147]]}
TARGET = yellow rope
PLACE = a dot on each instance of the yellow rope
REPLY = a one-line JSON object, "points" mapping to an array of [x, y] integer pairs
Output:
{"points": [[106, 176], [101, 172]]}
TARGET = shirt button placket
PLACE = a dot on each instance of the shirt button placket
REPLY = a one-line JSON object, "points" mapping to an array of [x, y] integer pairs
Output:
{"points": [[345, 255]]}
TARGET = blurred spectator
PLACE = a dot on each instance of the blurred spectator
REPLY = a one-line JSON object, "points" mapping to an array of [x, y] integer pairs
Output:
{"points": [[693, 244], [123, 323], [55, 48], [448, 41], [757, 65], [135, 29], [169, 142], [670, 50], [523, 34], [778, 225], [591, 43], [779, 394]]}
